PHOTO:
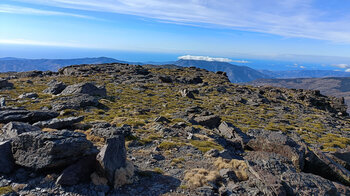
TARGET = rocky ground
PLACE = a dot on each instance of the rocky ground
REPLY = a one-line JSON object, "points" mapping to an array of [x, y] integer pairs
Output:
{"points": [[118, 129]]}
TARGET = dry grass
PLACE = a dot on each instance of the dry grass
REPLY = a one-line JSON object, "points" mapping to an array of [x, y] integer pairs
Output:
{"points": [[200, 177], [238, 166], [124, 175]]}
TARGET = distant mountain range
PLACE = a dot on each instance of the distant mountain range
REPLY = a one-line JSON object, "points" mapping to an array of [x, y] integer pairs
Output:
{"points": [[236, 74], [18, 64], [332, 86], [305, 74]]}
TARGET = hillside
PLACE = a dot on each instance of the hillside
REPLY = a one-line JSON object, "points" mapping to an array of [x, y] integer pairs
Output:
{"points": [[120, 129], [236, 74], [332, 86]]}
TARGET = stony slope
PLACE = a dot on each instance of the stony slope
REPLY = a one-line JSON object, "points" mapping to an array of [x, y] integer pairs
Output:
{"points": [[187, 131], [332, 86]]}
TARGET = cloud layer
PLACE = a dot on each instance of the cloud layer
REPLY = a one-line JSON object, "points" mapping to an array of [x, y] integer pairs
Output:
{"points": [[207, 58], [289, 18]]}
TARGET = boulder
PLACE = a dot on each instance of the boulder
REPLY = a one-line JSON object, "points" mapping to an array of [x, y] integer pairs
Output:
{"points": [[110, 131], [211, 121], [191, 80], [5, 84], [278, 143], [59, 123], [319, 163], [85, 88], [22, 115], [74, 102], [79, 172], [112, 157], [6, 159], [49, 150], [13, 129], [227, 130], [28, 96], [55, 87]]}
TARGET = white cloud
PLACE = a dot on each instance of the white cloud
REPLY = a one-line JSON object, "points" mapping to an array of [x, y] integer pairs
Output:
{"points": [[347, 70], [25, 10], [302, 67], [289, 18], [342, 65], [207, 58]]}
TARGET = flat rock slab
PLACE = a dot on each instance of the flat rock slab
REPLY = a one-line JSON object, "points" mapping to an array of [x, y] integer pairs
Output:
{"points": [[13, 129], [23, 115], [85, 88], [59, 123]]}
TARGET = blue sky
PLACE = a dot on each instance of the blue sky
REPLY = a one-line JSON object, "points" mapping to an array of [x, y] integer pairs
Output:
{"points": [[304, 30]]}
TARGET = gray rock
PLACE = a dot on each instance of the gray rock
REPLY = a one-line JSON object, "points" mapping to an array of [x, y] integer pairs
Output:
{"points": [[6, 159], [278, 143], [110, 131], [59, 123], [5, 84], [22, 115], [55, 87], [186, 93], [28, 95], [2, 102], [13, 129], [227, 130], [79, 172], [49, 150], [85, 88], [74, 102], [112, 157], [210, 121]]}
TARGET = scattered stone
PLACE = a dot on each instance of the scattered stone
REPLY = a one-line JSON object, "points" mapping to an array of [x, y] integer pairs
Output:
{"points": [[112, 157], [211, 121], [6, 159], [105, 131], [61, 123], [85, 88], [187, 93], [55, 87], [49, 150], [4, 84], [161, 119], [2, 102], [28, 96], [75, 102]]}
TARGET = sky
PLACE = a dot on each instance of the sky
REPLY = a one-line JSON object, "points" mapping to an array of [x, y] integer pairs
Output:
{"points": [[311, 31]]}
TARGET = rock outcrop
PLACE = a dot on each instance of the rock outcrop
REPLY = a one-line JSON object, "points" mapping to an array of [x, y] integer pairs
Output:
{"points": [[84, 88], [59, 123], [6, 159], [49, 150], [21, 115]]}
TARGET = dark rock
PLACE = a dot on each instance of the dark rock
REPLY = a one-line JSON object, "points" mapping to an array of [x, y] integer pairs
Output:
{"points": [[79, 172], [110, 131], [187, 93], [6, 158], [161, 119], [85, 88], [342, 158], [165, 79], [5, 84], [22, 115], [278, 143], [28, 96], [190, 80], [211, 121], [74, 102], [112, 157], [13, 129], [319, 163], [59, 123], [29, 74], [49, 150], [55, 87]]}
